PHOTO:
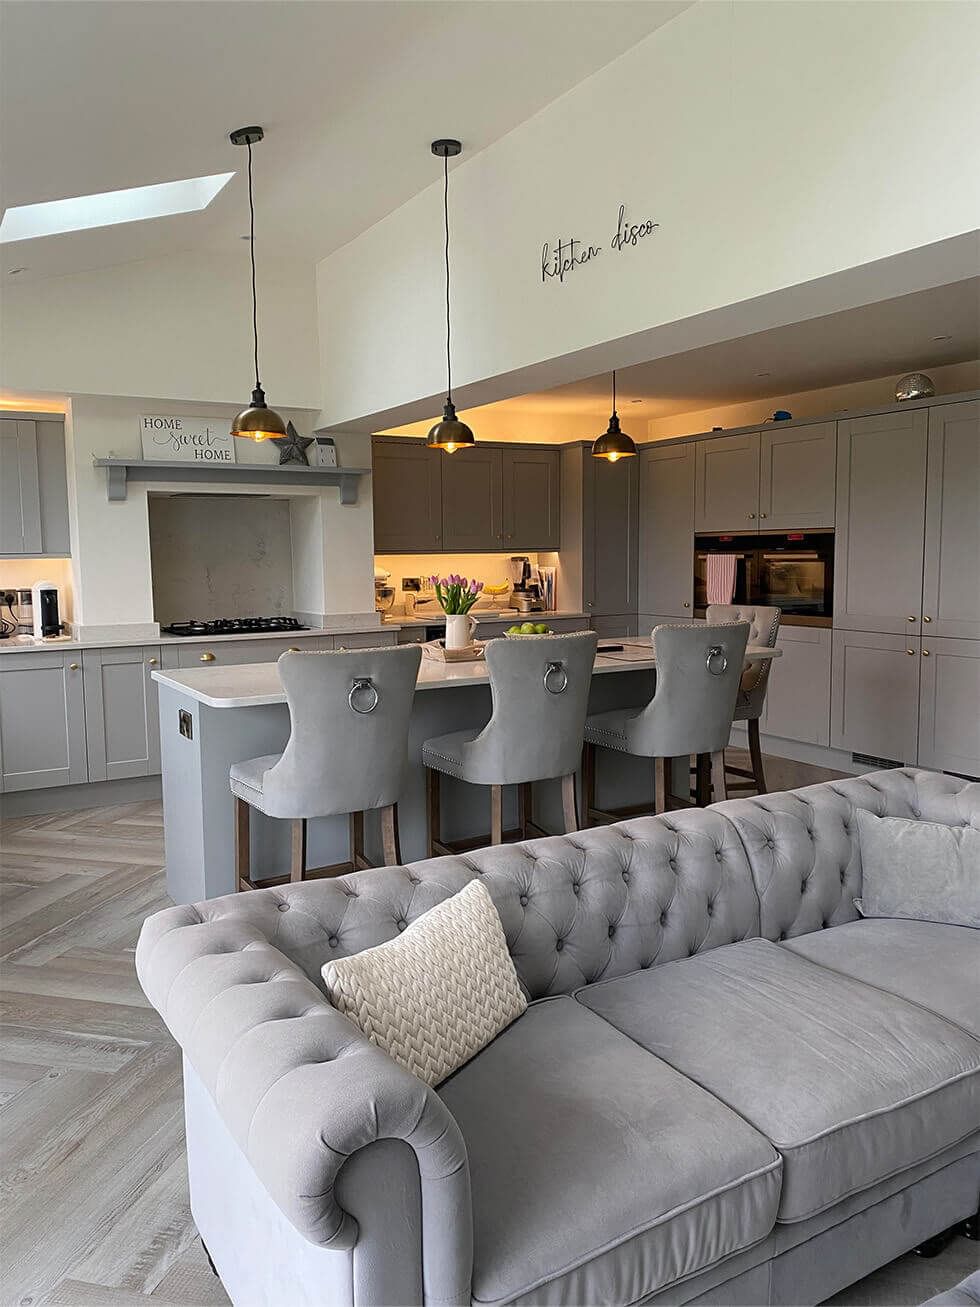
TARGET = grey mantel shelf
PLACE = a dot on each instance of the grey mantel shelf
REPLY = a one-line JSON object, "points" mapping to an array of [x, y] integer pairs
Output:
{"points": [[120, 471]]}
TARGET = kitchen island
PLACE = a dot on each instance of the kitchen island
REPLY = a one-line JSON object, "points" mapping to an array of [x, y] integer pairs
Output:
{"points": [[211, 717]]}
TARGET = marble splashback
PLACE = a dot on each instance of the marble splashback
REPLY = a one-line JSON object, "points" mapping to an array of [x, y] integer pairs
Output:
{"points": [[220, 556]]}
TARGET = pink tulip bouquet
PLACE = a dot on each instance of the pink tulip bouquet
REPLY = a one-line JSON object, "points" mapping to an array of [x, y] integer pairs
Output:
{"points": [[455, 593]]}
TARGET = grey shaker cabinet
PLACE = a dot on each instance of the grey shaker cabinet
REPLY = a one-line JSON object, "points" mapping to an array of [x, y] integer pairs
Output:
{"points": [[33, 488], [798, 693], [666, 530], [949, 706], [881, 477], [951, 565], [875, 694], [531, 489], [727, 484], [611, 518], [796, 478], [42, 720], [121, 716], [473, 500], [407, 492]]}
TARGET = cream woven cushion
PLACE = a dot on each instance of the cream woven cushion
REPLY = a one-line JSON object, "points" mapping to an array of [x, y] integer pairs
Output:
{"points": [[436, 995]]}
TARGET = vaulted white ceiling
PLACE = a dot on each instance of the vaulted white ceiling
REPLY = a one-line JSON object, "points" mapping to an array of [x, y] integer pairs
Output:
{"points": [[109, 94]]}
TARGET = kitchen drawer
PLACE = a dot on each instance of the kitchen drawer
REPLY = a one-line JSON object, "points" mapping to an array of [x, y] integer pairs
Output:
{"points": [[411, 635], [381, 639], [228, 653]]}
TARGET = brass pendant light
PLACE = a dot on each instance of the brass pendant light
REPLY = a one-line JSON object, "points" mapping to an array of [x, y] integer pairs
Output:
{"points": [[258, 421], [613, 444], [450, 434]]}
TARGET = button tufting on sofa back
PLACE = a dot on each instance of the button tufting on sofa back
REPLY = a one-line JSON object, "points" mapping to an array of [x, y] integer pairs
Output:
{"points": [[803, 849]]}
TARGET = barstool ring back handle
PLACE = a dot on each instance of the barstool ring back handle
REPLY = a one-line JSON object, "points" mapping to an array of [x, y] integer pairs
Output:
{"points": [[366, 689], [552, 670]]}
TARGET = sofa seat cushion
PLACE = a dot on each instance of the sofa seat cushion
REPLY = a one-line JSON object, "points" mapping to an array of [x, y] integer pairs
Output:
{"points": [[934, 965], [850, 1084], [599, 1174]]}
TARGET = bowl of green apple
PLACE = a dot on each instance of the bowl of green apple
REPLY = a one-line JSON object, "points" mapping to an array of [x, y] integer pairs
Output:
{"points": [[528, 628]]}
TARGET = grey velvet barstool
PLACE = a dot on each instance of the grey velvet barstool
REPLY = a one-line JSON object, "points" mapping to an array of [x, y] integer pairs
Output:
{"points": [[348, 743], [539, 686], [751, 699], [698, 671]]}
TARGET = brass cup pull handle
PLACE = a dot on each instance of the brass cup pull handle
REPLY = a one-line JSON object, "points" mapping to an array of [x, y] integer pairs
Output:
{"points": [[714, 653], [555, 670], [207, 657], [363, 685], [73, 667], [152, 662]]}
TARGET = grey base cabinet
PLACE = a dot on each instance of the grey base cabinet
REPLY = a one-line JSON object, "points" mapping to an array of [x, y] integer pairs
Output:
{"points": [[951, 564], [798, 694], [42, 721], [949, 706], [875, 695], [122, 728]]}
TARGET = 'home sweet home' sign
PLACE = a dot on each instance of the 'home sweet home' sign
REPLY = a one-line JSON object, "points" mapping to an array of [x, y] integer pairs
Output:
{"points": [[186, 440]]}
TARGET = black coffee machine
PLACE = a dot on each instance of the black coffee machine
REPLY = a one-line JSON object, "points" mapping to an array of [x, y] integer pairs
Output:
{"points": [[47, 620]]}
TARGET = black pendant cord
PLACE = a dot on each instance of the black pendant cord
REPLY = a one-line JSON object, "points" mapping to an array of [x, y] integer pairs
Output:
{"points": [[614, 391], [449, 356], [251, 247]]}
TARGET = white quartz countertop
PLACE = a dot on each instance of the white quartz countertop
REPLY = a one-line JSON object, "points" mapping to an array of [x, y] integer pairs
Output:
{"points": [[340, 626], [434, 616], [253, 685]]}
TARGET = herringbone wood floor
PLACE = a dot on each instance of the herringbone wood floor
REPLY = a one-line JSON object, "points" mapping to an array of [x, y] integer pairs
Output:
{"points": [[94, 1186]]}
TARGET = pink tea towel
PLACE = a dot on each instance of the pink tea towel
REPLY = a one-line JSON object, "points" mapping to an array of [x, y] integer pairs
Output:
{"points": [[720, 578]]}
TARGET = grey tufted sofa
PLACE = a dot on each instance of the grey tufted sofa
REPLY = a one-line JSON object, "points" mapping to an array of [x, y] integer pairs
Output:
{"points": [[727, 1089]]}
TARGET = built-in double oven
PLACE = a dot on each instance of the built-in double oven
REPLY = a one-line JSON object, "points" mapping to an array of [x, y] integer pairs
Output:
{"points": [[793, 572]]}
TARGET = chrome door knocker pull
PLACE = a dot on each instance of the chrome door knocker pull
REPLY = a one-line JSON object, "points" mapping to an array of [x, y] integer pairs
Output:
{"points": [[715, 652], [554, 669], [363, 683]]}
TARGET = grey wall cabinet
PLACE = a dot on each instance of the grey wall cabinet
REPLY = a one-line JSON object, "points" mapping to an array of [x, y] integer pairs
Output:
{"points": [[951, 564], [666, 530], [798, 694], [875, 694], [42, 720], [612, 536], [407, 493], [949, 705], [121, 717], [33, 488], [473, 500], [531, 480], [881, 477], [727, 484], [797, 477]]}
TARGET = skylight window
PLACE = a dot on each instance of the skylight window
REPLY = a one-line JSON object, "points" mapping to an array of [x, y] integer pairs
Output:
{"points": [[28, 221]]}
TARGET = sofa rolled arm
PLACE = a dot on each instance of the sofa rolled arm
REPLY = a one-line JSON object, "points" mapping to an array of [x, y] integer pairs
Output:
{"points": [[300, 1087]]}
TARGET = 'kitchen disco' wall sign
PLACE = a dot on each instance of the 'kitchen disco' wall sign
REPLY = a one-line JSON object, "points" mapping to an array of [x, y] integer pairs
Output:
{"points": [[187, 440], [558, 260]]}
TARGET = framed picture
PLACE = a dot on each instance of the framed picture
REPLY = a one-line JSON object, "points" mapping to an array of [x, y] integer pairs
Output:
{"points": [[178, 439]]}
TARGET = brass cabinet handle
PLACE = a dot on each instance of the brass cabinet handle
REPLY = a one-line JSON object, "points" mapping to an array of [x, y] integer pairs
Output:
{"points": [[763, 514], [152, 662], [73, 667], [925, 653], [927, 619], [752, 515], [912, 619], [207, 657], [910, 652], [293, 648], [686, 604]]}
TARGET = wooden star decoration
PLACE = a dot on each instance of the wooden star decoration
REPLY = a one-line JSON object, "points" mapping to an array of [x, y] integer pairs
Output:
{"points": [[292, 446]]}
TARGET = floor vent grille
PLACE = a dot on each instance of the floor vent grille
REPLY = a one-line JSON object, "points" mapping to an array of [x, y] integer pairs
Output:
{"points": [[869, 760]]}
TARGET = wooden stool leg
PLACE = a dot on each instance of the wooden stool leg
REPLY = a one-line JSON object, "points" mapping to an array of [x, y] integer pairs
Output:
{"points": [[243, 866], [659, 785], [588, 782], [703, 787], [496, 814], [524, 806], [569, 806], [389, 835], [297, 864], [719, 785], [755, 749], [357, 859], [433, 815]]}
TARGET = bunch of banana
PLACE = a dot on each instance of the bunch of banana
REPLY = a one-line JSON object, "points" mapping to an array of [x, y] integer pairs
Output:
{"points": [[496, 590]]}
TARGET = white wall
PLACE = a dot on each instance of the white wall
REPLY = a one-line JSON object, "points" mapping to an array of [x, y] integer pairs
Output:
{"points": [[776, 144], [950, 380], [174, 328]]}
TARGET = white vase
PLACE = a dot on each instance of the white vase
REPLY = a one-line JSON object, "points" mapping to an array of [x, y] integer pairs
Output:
{"points": [[459, 630]]}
